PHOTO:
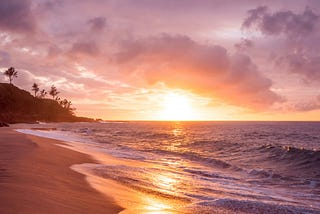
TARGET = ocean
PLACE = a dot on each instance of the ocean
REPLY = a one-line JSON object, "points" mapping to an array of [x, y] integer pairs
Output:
{"points": [[201, 167]]}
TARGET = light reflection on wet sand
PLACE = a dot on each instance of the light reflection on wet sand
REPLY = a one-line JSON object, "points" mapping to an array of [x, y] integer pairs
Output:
{"points": [[132, 200], [135, 201]]}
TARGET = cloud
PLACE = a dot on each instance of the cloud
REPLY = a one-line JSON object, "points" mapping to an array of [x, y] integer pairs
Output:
{"points": [[308, 106], [299, 52], [50, 4], [244, 44], [304, 64], [4, 59], [16, 15], [180, 62], [53, 51], [89, 48], [98, 23], [282, 22]]}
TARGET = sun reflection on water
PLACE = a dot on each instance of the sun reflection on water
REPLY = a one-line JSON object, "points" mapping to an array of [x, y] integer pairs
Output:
{"points": [[167, 182], [163, 180], [177, 132], [154, 205], [177, 129]]}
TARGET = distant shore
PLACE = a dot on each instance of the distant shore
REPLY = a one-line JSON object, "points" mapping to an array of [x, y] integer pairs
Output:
{"points": [[35, 177]]}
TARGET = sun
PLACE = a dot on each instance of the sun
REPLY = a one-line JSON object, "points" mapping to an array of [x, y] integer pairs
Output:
{"points": [[177, 107]]}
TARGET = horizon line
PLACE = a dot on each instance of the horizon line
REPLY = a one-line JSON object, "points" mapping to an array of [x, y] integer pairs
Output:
{"points": [[103, 120]]}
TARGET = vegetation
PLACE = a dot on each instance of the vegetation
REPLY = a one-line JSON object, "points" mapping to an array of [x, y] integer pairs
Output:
{"points": [[11, 73], [66, 104], [53, 92], [35, 88], [19, 106], [43, 94]]}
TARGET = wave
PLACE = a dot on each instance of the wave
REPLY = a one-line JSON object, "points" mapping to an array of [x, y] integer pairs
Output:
{"points": [[209, 174], [193, 156], [292, 156], [236, 154], [247, 206], [267, 163], [300, 156], [135, 178], [290, 152]]}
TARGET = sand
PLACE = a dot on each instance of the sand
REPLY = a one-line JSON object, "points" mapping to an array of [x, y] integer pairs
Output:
{"points": [[35, 177]]}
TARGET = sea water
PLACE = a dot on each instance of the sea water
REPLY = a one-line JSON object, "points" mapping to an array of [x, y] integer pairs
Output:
{"points": [[245, 167]]}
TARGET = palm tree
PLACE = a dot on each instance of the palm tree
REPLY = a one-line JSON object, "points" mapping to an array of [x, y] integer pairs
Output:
{"points": [[11, 73], [43, 93], [35, 88], [53, 91], [65, 104]]}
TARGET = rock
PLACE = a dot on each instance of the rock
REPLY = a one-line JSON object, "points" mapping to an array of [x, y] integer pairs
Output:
{"points": [[3, 124]]}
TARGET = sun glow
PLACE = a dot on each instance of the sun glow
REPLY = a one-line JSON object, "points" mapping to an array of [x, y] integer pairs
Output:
{"points": [[177, 107]]}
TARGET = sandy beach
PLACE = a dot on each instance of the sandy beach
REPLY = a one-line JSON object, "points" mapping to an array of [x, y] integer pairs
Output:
{"points": [[35, 177]]}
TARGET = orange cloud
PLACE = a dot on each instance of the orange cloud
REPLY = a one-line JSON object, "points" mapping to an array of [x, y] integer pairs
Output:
{"points": [[180, 62]]}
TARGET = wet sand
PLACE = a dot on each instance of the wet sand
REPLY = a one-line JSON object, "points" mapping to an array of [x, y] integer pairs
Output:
{"points": [[35, 177]]}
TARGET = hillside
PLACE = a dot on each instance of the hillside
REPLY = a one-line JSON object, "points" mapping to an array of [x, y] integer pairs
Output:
{"points": [[19, 106]]}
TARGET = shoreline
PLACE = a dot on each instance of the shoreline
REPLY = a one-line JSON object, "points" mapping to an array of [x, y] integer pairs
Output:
{"points": [[132, 201], [35, 177], [93, 170]]}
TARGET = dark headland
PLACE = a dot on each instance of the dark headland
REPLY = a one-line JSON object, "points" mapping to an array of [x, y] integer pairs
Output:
{"points": [[19, 106]]}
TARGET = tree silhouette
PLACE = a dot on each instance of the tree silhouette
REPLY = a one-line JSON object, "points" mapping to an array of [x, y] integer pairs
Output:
{"points": [[42, 94], [35, 88], [67, 105], [11, 73], [53, 91]]}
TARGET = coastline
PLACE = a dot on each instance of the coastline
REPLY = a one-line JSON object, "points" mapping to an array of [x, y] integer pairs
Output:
{"points": [[35, 177], [132, 201], [101, 169]]}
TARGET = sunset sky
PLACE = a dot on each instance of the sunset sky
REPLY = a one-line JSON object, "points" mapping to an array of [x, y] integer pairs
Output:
{"points": [[169, 59]]}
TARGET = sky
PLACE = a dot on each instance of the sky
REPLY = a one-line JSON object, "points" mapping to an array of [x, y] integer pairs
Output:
{"points": [[169, 59]]}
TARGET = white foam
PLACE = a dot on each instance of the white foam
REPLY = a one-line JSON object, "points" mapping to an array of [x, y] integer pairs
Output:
{"points": [[56, 135], [83, 145]]}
